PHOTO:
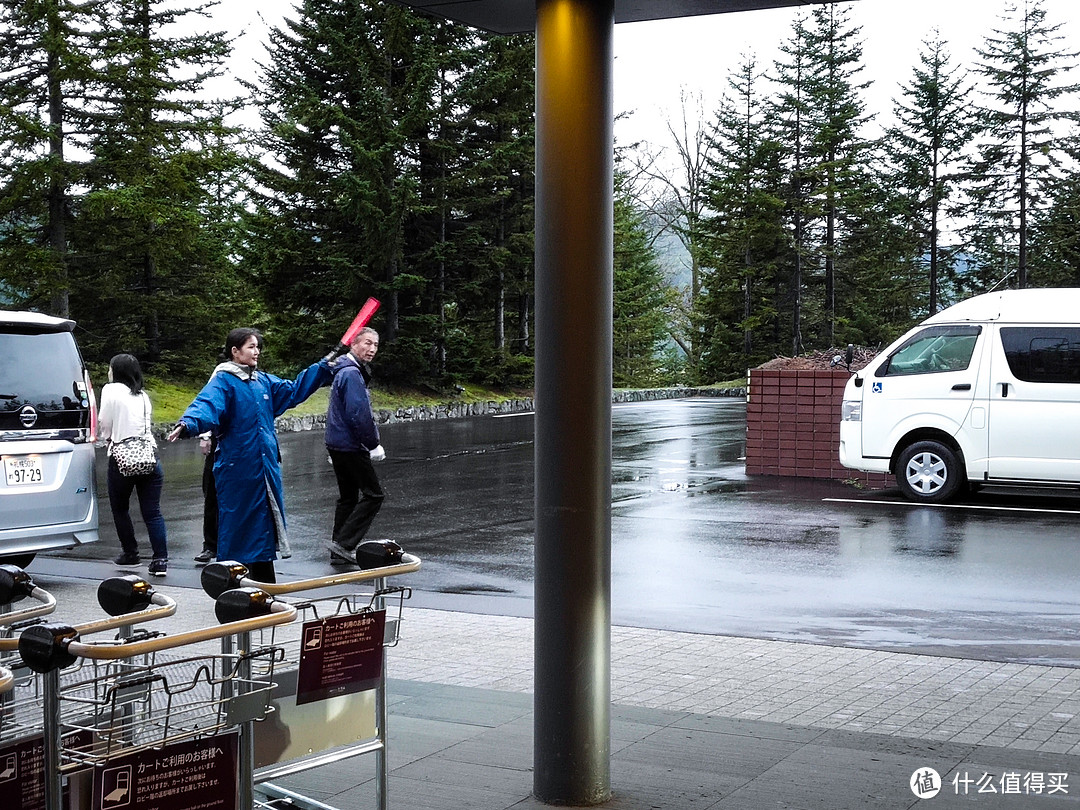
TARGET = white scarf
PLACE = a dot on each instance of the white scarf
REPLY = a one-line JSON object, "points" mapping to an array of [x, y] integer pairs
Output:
{"points": [[245, 373]]}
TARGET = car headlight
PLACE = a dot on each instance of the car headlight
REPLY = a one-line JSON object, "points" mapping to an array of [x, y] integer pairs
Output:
{"points": [[851, 410]]}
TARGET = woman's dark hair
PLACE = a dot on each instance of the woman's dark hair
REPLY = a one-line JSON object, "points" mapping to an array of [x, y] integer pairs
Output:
{"points": [[238, 337], [125, 369]]}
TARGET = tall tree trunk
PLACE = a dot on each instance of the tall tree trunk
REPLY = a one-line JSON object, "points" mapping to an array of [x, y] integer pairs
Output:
{"points": [[1021, 265], [57, 227], [830, 249], [152, 329], [391, 302], [747, 334], [935, 204], [524, 329], [151, 326], [500, 294], [796, 283]]}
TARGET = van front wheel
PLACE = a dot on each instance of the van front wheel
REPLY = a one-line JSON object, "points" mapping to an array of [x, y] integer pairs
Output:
{"points": [[928, 472]]}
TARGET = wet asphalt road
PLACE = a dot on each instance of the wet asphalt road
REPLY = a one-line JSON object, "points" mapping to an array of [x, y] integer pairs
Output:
{"points": [[696, 544]]}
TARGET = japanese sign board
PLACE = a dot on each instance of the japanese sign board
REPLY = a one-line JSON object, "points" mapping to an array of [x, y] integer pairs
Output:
{"points": [[22, 764], [191, 775], [22, 771], [340, 655]]}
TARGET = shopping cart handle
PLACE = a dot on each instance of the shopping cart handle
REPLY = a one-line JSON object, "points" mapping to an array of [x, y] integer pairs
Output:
{"points": [[15, 585], [223, 576], [44, 647], [126, 594], [143, 605]]}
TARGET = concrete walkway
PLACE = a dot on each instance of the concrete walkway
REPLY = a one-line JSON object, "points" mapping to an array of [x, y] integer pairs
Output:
{"points": [[698, 722], [717, 722]]}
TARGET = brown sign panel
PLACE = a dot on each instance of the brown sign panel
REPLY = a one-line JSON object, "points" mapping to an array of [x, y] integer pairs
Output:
{"points": [[191, 775], [22, 770], [21, 767], [340, 655]]}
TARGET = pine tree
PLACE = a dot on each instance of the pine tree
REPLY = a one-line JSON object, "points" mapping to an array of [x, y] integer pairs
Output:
{"points": [[838, 153], [344, 198], [1054, 256], [493, 188], [747, 242], [641, 298], [1021, 146], [153, 275], [793, 122], [925, 147], [49, 58]]}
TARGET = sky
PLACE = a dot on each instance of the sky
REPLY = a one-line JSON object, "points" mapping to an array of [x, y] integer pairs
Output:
{"points": [[655, 61]]}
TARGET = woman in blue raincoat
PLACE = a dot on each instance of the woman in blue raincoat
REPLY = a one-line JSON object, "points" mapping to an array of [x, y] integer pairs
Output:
{"points": [[238, 405]]}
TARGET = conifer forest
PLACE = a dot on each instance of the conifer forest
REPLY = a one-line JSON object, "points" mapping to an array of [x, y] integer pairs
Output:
{"points": [[379, 152]]}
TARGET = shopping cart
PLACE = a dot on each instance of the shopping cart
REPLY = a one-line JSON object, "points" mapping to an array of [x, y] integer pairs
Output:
{"points": [[22, 706], [133, 702], [330, 699], [20, 701]]}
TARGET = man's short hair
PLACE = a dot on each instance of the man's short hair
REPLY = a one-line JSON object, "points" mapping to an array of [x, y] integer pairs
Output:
{"points": [[367, 330]]}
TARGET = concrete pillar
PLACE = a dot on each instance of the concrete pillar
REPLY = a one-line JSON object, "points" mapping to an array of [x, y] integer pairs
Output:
{"points": [[574, 168]]}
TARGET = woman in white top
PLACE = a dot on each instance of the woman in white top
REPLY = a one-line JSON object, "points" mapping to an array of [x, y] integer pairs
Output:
{"points": [[125, 412]]}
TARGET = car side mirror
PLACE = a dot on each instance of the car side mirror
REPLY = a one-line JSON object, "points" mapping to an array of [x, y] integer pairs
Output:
{"points": [[845, 359]]}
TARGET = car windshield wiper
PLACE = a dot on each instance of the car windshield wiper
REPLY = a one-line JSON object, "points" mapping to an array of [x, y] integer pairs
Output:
{"points": [[9, 396]]}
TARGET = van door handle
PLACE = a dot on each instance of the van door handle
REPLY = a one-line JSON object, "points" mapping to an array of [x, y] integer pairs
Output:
{"points": [[1004, 389], [962, 387]]}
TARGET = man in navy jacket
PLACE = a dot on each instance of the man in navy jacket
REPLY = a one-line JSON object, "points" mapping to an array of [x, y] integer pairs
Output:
{"points": [[352, 440]]}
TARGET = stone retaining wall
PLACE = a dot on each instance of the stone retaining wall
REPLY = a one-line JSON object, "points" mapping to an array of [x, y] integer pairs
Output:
{"points": [[458, 410]]}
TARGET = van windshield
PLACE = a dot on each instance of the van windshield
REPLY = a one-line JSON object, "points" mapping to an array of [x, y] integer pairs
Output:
{"points": [[933, 350]]}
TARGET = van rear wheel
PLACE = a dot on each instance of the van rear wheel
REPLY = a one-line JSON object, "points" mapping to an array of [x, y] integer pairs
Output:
{"points": [[929, 472]]}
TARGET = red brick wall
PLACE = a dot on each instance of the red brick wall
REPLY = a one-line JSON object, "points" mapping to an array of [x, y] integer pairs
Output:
{"points": [[793, 426]]}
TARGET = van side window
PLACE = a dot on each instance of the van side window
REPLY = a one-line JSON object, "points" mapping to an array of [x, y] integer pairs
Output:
{"points": [[933, 350], [1044, 354]]}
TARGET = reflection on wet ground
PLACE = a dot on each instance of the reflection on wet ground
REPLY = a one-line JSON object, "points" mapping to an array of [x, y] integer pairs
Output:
{"points": [[696, 544]]}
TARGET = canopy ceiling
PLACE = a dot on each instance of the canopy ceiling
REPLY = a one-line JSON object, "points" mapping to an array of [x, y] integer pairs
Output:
{"points": [[519, 16]]}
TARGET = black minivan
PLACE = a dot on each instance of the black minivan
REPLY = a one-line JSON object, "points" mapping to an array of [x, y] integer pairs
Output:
{"points": [[48, 419]]}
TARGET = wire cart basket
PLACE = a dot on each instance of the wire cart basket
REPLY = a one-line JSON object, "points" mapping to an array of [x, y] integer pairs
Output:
{"points": [[135, 710], [329, 705], [124, 707], [20, 690]]}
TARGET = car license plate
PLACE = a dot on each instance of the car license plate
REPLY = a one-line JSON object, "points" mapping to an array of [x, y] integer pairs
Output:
{"points": [[23, 470]]}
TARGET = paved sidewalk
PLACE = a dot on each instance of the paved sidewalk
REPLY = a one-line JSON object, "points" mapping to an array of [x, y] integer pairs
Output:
{"points": [[720, 723], [949, 699], [701, 722]]}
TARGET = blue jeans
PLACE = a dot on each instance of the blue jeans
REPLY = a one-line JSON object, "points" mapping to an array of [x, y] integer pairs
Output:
{"points": [[149, 489]]}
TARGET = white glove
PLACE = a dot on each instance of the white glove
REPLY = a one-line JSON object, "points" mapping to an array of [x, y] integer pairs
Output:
{"points": [[378, 454]]}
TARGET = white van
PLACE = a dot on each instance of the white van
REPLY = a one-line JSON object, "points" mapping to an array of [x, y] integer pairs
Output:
{"points": [[984, 392]]}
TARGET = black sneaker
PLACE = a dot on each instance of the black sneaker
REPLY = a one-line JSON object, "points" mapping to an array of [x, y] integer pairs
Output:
{"points": [[158, 568], [204, 556], [339, 555], [127, 560]]}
